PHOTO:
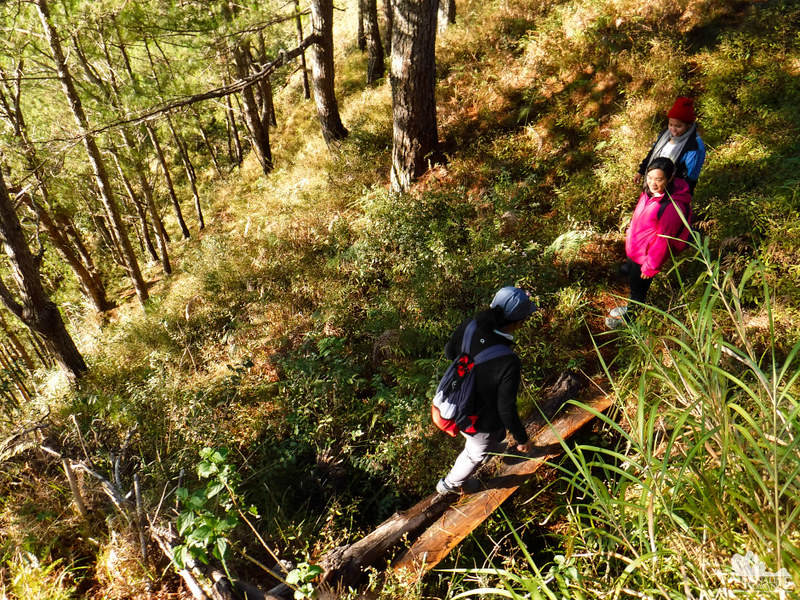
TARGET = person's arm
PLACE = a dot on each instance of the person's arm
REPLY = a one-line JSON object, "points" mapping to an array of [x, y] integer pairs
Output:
{"points": [[669, 226], [694, 159], [507, 401]]}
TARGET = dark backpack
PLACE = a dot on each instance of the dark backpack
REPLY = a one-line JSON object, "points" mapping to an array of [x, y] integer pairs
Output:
{"points": [[452, 410]]}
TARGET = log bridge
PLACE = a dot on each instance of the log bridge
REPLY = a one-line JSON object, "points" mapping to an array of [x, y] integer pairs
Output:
{"points": [[437, 524]]}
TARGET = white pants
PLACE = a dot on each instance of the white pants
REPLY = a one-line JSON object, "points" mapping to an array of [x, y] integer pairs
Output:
{"points": [[476, 449]]}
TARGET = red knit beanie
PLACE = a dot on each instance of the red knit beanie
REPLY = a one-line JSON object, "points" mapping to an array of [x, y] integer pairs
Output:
{"points": [[683, 110]]}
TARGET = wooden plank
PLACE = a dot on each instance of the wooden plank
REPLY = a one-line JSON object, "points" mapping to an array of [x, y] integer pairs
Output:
{"points": [[467, 514], [345, 566]]}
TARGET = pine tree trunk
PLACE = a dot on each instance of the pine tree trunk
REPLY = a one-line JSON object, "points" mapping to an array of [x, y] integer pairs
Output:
{"points": [[34, 307], [95, 158], [209, 146], [259, 131], [413, 90], [137, 205], [147, 191], [176, 206], [15, 342], [303, 67], [361, 40], [89, 280], [190, 172], [234, 143], [323, 72], [386, 7], [447, 14], [375, 66]]}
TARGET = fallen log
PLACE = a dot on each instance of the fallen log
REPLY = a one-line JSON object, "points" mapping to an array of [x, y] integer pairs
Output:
{"points": [[466, 515], [344, 566]]}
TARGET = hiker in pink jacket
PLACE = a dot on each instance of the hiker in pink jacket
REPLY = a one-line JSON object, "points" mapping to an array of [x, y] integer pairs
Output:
{"points": [[654, 225]]}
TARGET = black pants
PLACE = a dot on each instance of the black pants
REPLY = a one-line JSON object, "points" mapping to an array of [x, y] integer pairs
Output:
{"points": [[639, 287]]}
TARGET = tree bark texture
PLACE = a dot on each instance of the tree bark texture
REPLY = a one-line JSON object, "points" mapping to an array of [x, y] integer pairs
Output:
{"points": [[176, 205], [34, 307], [323, 72], [447, 14], [375, 66], [303, 67], [95, 158], [259, 130], [386, 8], [191, 175], [147, 192], [413, 78]]}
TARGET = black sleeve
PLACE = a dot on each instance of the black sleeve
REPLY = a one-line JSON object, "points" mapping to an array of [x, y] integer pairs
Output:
{"points": [[646, 161], [452, 349], [507, 400]]}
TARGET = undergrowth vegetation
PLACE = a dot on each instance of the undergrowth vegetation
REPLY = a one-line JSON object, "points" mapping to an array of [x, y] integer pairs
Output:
{"points": [[302, 332]]}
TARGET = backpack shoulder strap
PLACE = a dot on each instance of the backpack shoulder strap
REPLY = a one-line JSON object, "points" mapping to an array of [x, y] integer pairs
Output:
{"points": [[466, 340], [491, 352]]}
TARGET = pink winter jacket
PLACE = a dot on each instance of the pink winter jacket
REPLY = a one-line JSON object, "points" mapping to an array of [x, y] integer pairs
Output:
{"points": [[647, 242]]}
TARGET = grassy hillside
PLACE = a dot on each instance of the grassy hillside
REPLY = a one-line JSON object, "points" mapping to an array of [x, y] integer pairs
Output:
{"points": [[303, 330]]}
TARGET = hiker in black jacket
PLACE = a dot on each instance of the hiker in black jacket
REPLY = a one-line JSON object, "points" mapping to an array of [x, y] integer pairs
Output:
{"points": [[496, 386]]}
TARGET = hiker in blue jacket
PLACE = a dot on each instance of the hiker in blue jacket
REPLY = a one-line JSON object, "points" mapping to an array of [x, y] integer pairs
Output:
{"points": [[496, 386], [680, 143]]}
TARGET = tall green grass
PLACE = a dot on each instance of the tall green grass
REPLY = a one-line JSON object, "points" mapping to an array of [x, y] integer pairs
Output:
{"points": [[700, 463]]}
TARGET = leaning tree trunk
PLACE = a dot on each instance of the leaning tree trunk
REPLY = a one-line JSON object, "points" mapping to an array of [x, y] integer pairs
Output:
{"points": [[147, 192], [190, 172], [323, 72], [259, 130], [413, 90], [90, 283], [234, 143], [88, 279], [303, 68], [176, 206], [447, 14], [34, 307], [95, 158], [375, 66]]}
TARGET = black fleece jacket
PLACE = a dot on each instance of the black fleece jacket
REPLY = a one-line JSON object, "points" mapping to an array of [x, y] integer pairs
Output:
{"points": [[496, 382]]}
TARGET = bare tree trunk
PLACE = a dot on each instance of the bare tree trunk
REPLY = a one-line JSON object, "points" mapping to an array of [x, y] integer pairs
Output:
{"points": [[447, 14], [259, 131], [375, 67], [176, 206], [190, 172], [413, 90], [361, 40], [234, 143], [264, 89], [299, 22], [95, 158], [323, 72], [34, 307], [387, 18], [89, 280], [137, 205], [147, 191], [15, 342], [211, 152]]}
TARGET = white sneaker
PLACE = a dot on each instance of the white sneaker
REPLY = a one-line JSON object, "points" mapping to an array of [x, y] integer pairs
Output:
{"points": [[619, 311]]}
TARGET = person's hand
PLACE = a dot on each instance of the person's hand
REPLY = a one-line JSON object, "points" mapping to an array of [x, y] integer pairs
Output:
{"points": [[637, 179], [643, 276], [525, 448]]}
